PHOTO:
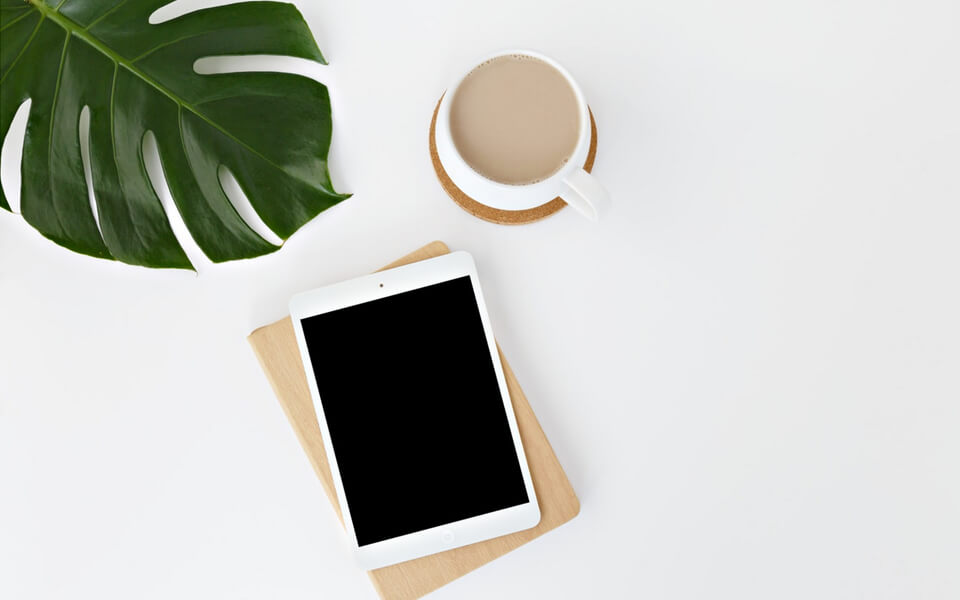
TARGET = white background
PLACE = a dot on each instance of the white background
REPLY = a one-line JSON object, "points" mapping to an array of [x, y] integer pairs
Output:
{"points": [[750, 370]]}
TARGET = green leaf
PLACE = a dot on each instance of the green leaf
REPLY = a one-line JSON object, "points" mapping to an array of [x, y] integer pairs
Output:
{"points": [[270, 130]]}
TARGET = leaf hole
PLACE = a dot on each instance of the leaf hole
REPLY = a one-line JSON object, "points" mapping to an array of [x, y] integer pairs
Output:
{"points": [[11, 156], [179, 8], [243, 206], [212, 65], [83, 132], [151, 163]]}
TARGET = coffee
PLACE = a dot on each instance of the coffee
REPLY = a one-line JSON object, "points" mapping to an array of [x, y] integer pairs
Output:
{"points": [[515, 119]]}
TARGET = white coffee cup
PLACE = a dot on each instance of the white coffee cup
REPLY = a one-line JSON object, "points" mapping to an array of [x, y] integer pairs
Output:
{"points": [[579, 189]]}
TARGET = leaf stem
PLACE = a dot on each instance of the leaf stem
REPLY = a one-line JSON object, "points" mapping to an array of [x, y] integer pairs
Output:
{"points": [[72, 27]]}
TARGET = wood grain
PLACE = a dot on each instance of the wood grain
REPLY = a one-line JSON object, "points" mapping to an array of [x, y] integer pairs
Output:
{"points": [[276, 349]]}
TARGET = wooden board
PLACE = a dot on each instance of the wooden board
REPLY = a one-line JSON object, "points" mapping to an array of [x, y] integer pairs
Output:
{"points": [[276, 349]]}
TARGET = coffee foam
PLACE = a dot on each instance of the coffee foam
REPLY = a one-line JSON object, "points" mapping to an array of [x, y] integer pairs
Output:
{"points": [[515, 119]]}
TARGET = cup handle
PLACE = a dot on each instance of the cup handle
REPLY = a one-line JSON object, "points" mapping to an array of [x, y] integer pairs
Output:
{"points": [[585, 193]]}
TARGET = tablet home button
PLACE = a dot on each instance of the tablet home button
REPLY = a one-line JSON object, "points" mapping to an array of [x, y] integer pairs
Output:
{"points": [[446, 536]]}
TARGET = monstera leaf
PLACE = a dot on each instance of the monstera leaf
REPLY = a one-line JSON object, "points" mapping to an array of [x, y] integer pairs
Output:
{"points": [[270, 130]]}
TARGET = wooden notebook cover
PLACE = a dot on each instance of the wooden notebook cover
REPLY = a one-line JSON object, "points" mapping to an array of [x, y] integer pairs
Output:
{"points": [[276, 349]]}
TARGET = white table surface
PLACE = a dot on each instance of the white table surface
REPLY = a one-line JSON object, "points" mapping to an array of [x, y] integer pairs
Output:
{"points": [[750, 370]]}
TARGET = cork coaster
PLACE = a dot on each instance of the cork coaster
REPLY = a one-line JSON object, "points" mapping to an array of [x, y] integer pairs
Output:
{"points": [[496, 215]]}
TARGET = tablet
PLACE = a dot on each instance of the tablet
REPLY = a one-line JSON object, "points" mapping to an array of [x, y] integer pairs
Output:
{"points": [[414, 410]]}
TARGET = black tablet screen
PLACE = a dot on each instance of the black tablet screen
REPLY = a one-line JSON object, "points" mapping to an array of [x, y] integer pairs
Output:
{"points": [[414, 411]]}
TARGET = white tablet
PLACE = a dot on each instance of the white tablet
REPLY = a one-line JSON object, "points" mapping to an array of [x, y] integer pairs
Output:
{"points": [[416, 418]]}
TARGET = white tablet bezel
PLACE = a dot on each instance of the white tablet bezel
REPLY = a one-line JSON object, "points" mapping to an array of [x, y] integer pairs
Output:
{"points": [[381, 285]]}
